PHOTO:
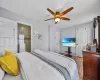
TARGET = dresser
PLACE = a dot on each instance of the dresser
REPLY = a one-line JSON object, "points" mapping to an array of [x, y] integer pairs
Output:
{"points": [[91, 65]]}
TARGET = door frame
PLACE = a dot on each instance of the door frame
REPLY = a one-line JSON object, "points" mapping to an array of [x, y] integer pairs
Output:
{"points": [[31, 32]]}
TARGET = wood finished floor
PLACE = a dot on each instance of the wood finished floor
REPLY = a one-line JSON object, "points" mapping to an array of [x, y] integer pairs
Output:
{"points": [[79, 61]]}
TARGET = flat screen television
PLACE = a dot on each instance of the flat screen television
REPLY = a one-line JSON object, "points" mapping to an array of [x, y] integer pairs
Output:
{"points": [[68, 42]]}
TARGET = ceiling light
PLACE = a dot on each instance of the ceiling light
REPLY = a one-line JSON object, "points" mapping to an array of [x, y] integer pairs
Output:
{"points": [[57, 19]]}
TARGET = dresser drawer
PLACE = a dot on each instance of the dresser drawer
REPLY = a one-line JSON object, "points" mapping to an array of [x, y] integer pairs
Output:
{"points": [[91, 63], [85, 78]]}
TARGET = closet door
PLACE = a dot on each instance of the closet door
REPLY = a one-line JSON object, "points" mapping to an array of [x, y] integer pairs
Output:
{"points": [[81, 40]]}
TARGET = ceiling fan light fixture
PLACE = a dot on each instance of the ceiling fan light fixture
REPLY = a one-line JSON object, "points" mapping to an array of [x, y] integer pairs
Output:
{"points": [[57, 16], [57, 20]]}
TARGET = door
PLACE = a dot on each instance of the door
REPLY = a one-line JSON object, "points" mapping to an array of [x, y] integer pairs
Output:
{"points": [[8, 35], [25, 41], [58, 41], [27, 38], [81, 40]]}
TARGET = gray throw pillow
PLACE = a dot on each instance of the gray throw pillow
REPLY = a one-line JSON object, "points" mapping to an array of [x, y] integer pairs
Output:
{"points": [[2, 73], [1, 54]]}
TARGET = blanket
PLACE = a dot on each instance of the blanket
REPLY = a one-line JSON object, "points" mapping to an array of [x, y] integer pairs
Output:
{"points": [[67, 63], [33, 68], [60, 68]]}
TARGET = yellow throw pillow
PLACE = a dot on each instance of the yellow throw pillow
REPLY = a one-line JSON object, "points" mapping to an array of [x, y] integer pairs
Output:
{"points": [[9, 64], [6, 52]]}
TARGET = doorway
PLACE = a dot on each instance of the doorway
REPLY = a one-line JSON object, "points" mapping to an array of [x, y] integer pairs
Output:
{"points": [[81, 40], [24, 38]]}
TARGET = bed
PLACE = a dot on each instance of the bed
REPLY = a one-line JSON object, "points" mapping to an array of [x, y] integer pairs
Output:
{"points": [[33, 68], [41, 66], [67, 65], [9, 77]]}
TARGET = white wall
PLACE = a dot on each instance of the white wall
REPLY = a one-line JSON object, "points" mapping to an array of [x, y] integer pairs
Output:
{"points": [[99, 7], [70, 32], [67, 33], [42, 28]]}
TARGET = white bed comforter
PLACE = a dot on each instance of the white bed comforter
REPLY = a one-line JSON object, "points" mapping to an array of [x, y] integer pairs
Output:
{"points": [[68, 63], [32, 68]]}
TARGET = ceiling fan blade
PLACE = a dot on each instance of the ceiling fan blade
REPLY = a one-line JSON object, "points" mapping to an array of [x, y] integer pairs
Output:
{"points": [[51, 11], [49, 19], [64, 18], [66, 11]]}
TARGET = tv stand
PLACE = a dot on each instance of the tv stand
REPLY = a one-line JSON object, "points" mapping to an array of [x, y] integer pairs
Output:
{"points": [[69, 52]]}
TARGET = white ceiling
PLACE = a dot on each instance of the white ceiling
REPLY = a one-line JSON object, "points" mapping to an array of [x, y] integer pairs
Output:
{"points": [[84, 10]]}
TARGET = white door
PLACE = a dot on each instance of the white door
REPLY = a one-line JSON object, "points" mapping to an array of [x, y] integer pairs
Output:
{"points": [[8, 35], [81, 40], [58, 41]]}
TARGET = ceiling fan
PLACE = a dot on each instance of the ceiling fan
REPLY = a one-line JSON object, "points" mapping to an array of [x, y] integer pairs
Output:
{"points": [[59, 16]]}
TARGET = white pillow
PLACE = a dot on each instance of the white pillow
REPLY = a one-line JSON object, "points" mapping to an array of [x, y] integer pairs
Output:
{"points": [[2, 73]]}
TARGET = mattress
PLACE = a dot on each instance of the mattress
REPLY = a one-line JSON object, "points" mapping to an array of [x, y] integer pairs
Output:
{"points": [[10, 77]]}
